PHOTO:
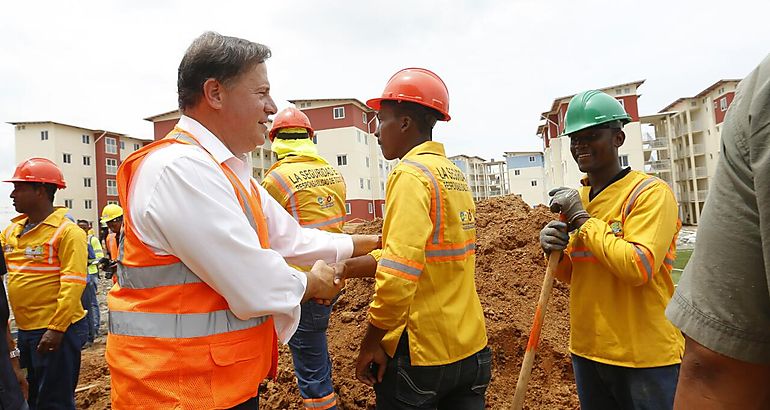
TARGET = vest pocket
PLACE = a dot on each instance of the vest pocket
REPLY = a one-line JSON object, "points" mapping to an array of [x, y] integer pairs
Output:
{"points": [[239, 368]]}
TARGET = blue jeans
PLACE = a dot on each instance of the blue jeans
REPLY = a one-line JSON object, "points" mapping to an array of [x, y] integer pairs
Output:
{"points": [[461, 385], [602, 386], [91, 304], [53, 376], [310, 353]]}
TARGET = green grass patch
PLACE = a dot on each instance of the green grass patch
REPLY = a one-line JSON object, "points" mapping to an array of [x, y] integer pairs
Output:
{"points": [[682, 257]]}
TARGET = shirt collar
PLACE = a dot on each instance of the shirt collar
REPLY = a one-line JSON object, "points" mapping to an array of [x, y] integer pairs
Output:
{"points": [[207, 139], [427, 147], [55, 219]]}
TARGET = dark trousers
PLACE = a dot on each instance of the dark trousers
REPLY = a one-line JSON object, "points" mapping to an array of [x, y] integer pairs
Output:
{"points": [[458, 385], [602, 386], [53, 376], [310, 353], [91, 304]]}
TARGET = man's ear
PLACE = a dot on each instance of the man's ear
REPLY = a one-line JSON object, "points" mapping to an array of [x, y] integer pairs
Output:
{"points": [[618, 139], [213, 93], [406, 123]]}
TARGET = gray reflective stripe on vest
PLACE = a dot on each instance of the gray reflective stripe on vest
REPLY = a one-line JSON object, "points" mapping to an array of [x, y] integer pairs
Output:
{"points": [[177, 325], [325, 223], [451, 252], [668, 261], [154, 276], [635, 194], [436, 194], [644, 260], [292, 201], [581, 254]]}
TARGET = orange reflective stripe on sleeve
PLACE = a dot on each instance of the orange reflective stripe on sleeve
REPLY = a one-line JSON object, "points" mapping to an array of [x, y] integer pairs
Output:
{"points": [[400, 267], [435, 202], [284, 187], [56, 234], [450, 252], [644, 260], [73, 278]]}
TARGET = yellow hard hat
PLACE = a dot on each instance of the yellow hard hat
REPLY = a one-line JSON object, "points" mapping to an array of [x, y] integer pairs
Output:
{"points": [[111, 212]]}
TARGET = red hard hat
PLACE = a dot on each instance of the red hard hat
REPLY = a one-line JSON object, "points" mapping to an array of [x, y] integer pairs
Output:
{"points": [[416, 85], [38, 170], [289, 118]]}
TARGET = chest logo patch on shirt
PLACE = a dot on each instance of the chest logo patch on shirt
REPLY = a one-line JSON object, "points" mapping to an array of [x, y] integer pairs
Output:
{"points": [[617, 228], [327, 202], [467, 219], [34, 252]]}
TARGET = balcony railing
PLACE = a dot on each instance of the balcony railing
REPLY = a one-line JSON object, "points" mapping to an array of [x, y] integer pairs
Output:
{"points": [[659, 165], [698, 149], [655, 144]]}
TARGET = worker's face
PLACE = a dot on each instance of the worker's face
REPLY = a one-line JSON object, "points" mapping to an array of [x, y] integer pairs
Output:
{"points": [[84, 226], [245, 104], [115, 225], [391, 132], [26, 196], [595, 149]]}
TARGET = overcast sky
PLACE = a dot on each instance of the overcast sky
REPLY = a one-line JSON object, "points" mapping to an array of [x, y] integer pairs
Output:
{"points": [[108, 65]]}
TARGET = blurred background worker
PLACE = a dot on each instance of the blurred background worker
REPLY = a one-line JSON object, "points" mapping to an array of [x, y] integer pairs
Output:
{"points": [[313, 192], [47, 260], [112, 216], [618, 262], [89, 299]]}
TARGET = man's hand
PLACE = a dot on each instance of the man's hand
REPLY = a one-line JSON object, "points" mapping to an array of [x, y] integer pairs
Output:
{"points": [[567, 202], [554, 237], [50, 341], [364, 266], [20, 377], [372, 357], [363, 244], [322, 283]]}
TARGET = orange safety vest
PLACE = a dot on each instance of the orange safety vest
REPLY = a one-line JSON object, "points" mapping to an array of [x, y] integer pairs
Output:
{"points": [[173, 342]]}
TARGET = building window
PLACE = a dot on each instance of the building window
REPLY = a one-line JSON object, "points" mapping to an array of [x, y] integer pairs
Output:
{"points": [[622, 104], [43, 135], [363, 117], [623, 159], [339, 113], [112, 202], [342, 160], [67, 158], [516, 172], [87, 204], [723, 104], [86, 139], [358, 136], [382, 185], [361, 182], [533, 183], [618, 91], [112, 187], [627, 90], [122, 145], [110, 145], [347, 208], [86, 160], [87, 182], [367, 162], [68, 203], [531, 159], [112, 166], [136, 147], [369, 184], [371, 207]]}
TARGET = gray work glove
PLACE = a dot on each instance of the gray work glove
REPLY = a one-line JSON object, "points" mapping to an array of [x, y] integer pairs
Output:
{"points": [[554, 237], [567, 202]]}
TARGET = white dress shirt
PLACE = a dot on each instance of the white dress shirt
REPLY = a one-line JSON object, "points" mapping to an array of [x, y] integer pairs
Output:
{"points": [[182, 204]]}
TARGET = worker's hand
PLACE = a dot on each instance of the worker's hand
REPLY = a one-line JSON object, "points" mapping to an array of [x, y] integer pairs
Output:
{"points": [[363, 244], [20, 377], [567, 202], [321, 283], [371, 363], [50, 341], [554, 237]]}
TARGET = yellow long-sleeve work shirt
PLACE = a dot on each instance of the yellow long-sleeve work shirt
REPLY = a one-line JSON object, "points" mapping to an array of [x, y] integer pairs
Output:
{"points": [[618, 265], [46, 271], [425, 276]]}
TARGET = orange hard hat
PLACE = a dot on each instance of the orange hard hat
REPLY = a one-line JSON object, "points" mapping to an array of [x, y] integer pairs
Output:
{"points": [[38, 170], [290, 118], [419, 86]]}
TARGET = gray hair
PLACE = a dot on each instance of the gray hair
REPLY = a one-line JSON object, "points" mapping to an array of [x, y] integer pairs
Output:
{"points": [[213, 55]]}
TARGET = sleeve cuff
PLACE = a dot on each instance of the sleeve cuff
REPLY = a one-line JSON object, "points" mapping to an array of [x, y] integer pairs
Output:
{"points": [[344, 245]]}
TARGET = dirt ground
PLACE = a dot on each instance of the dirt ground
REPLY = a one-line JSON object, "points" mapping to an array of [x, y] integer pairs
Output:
{"points": [[509, 274]]}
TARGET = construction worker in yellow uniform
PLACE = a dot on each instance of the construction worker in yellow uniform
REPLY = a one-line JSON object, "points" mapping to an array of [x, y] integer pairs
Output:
{"points": [[112, 216], [617, 260], [313, 192], [89, 298], [425, 345], [46, 255]]}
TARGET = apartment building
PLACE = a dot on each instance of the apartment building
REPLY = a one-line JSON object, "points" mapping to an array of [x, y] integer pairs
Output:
{"points": [[261, 159], [526, 176], [88, 158], [486, 179], [560, 168], [685, 145]]}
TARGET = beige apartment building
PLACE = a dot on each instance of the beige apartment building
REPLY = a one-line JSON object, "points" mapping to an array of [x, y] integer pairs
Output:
{"points": [[486, 179], [526, 176]]}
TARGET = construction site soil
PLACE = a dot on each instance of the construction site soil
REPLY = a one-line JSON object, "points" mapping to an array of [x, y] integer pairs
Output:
{"points": [[509, 273]]}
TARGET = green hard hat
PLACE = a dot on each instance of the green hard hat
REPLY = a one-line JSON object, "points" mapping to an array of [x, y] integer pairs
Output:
{"points": [[591, 108]]}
